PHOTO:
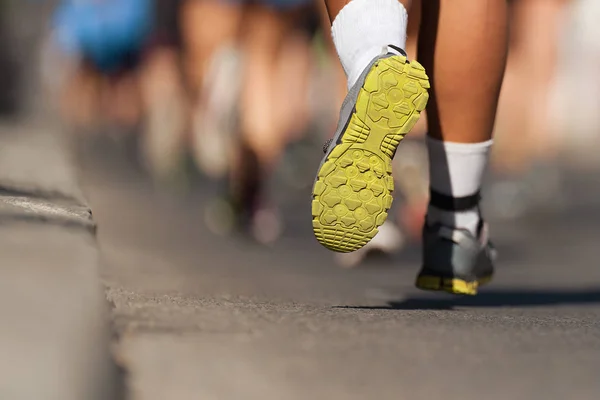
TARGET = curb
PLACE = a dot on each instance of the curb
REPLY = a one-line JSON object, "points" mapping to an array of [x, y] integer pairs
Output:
{"points": [[55, 336]]}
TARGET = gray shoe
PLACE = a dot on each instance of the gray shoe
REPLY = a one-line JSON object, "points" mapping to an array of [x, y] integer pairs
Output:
{"points": [[455, 261]]}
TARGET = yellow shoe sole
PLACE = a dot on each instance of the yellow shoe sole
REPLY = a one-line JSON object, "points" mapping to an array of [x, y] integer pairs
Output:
{"points": [[451, 285], [353, 190]]}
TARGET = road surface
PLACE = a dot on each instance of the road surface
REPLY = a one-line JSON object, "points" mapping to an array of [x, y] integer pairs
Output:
{"points": [[204, 317]]}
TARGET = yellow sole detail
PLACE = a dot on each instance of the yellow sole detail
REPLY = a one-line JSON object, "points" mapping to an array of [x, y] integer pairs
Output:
{"points": [[450, 285], [353, 190]]}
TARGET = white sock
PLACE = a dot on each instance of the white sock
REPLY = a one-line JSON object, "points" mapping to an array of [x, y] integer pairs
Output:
{"points": [[456, 169], [363, 28]]}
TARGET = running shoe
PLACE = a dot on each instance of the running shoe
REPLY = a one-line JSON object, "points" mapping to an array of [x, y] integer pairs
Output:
{"points": [[455, 261], [352, 192]]}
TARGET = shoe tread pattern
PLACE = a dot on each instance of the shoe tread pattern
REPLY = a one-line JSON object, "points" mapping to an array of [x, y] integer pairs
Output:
{"points": [[353, 191]]}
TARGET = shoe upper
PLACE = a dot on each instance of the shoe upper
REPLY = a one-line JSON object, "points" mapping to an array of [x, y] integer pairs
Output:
{"points": [[456, 253], [352, 96]]}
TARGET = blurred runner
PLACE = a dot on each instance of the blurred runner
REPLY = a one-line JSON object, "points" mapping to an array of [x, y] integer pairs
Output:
{"points": [[575, 91], [462, 45], [210, 32], [274, 105], [125, 73], [165, 102], [272, 48], [525, 158], [106, 40]]}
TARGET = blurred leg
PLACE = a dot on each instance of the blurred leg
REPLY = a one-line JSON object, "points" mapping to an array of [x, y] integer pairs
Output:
{"points": [[261, 141], [273, 106], [124, 101], [81, 98], [262, 38], [206, 26], [166, 112], [294, 67], [531, 65], [210, 32], [160, 72]]}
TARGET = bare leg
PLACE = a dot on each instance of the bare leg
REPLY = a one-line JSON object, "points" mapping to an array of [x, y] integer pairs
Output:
{"points": [[461, 39], [463, 46]]}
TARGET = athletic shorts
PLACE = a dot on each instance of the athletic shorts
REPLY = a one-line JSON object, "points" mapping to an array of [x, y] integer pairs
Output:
{"points": [[286, 4], [308, 19], [305, 13], [109, 34], [167, 25], [278, 5]]}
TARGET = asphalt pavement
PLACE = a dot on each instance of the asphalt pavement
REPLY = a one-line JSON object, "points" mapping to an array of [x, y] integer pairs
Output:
{"points": [[198, 316]]}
